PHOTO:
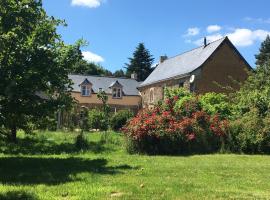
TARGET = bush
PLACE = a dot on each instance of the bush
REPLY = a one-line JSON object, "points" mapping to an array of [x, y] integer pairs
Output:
{"points": [[97, 120], [164, 130], [81, 142], [214, 103], [250, 133], [119, 119]]}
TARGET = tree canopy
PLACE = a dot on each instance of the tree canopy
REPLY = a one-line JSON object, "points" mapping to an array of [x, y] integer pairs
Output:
{"points": [[34, 65], [84, 67], [264, 52], [140, 63]]}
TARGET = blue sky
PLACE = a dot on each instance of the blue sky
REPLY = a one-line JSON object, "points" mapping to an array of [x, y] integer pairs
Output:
{"points": [[114, 28]]}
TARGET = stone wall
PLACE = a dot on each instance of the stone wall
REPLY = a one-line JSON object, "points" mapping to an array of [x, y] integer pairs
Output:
{"points": [[126, 102], [222, 70], [158, 90]]}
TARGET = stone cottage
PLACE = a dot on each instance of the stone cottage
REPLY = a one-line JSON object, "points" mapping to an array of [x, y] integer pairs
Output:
{"points": [[209, 68], [122, 92]]}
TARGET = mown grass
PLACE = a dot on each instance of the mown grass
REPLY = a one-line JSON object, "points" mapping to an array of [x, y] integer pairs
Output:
{"points": [[49, 166]]}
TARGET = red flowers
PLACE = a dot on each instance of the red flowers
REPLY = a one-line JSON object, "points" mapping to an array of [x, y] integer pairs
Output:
{"points": [[189, 124]]}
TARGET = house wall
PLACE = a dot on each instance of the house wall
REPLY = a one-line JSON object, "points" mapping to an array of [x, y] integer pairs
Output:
{"points": [[222, 65], [126, 102], [158, 90]]}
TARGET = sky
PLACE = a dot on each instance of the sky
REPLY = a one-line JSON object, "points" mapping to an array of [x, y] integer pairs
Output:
{"points": [[113, 28]]}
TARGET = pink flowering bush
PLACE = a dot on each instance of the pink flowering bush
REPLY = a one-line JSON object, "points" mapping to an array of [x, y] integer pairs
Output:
{"points": [[166, 130]]}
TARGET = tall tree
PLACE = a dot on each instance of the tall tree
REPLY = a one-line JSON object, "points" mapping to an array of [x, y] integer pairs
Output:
{"points": [[264, 54], [34, 65], [140, 63]]}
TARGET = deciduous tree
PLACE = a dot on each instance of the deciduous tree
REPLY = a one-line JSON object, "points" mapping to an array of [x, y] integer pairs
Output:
{"points": [[34, 65]]}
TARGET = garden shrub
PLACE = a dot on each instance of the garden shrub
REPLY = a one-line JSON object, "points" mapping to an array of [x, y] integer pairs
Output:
{"points": [[166, 130], [81, 142], [216, 103], [97, 120], [119, 119], [250, 133]]}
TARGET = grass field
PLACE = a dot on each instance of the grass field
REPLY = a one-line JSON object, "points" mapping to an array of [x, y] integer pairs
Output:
{"points": [[48, 166]]}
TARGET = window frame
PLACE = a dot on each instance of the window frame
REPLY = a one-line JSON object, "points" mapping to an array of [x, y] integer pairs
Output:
{"points": [[86, 89], [151, 95], [117, 93]]}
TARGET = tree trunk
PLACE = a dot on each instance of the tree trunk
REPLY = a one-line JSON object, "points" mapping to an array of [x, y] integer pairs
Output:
{"points": [[14, 134]]}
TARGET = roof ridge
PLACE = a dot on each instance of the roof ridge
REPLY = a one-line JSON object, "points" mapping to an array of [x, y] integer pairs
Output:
{"points": [[195, 48], [101, 76]]}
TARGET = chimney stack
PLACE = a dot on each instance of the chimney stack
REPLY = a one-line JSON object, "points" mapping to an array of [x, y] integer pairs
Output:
{"points": [[205, 42], [163, 58], [134, 76]]}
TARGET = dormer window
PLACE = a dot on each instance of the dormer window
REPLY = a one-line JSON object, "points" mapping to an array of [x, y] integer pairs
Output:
{"points": [[86, 87], [85, 90], [117, 93], [117, 90]]}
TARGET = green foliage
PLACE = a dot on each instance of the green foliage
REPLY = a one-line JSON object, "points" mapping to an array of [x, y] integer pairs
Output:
{"points": [[264, 54], [214, 103], [119, 73], [180, 92], [97, 120], [250, 133], [140, 63], [119, 119], [255, 93], [34, 64], [106, 109], [84, 67], [250, 124]]}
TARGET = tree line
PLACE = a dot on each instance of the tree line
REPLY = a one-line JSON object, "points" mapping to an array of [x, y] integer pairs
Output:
{"points": [[140, 63]]}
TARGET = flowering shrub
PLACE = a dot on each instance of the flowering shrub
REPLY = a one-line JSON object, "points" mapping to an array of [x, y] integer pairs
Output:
{"points": [[169, 129]]}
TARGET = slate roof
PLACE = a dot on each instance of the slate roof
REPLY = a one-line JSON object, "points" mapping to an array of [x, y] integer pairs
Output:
{"points": [[116, 84], [85, 82], [129, 85], [183, 64]]}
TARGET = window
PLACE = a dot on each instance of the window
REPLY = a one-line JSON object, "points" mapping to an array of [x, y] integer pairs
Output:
{"points": [[151, 95], [117, 93], [85, 90], [181, 84]]}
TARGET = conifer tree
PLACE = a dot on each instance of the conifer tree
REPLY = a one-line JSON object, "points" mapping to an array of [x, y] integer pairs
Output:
{"points": [[264, 54], [140, 63]]}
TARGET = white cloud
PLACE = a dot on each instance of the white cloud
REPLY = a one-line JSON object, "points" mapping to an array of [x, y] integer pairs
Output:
{"points": [[240, 37], [87, 3], [209, 38], [257, 20], [192, 31], [213, 28], [246, 37], [92, 57]]}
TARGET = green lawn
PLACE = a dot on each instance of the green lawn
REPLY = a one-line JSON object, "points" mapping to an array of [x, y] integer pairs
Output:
{"points": [[50, 167]]}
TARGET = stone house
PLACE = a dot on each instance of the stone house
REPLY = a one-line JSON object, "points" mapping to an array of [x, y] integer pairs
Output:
{"points": [[122, 92], [209, 68]]}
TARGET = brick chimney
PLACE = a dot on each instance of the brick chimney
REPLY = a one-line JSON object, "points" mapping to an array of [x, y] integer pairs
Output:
{"points": [[162, 58]]}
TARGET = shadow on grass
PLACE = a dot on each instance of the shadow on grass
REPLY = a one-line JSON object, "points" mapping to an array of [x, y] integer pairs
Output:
{"points": [[37, 146], [52, 171], [17, 195]]}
